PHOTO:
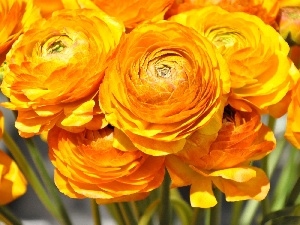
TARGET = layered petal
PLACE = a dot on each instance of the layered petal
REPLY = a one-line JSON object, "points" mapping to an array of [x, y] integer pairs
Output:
{"points": [[12, 181], [88, 166], [158, 91], [223, 161], [15, 17], [261, 72], [292, 133], [56, 67]]}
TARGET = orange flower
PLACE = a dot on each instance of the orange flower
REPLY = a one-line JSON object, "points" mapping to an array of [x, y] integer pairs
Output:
{"points": [[48, 7], [292, 132], [267, 10], [261, 72], [225, 162], [87, 165], [12, 181], [132, 12], [56, 68], [15, 16], [158, 91]]}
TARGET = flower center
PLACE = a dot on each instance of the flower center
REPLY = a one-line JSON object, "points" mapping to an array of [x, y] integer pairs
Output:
{"points": [[163, 70], [55, 44]]}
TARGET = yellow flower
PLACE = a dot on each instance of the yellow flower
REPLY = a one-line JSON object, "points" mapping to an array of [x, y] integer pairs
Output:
{"points": [[131, 12], [15, 16], [224, 162], [12, 181], [267, 10], [55, 69], [88, 166], [158, 90], [261, 72], [292, 132]]}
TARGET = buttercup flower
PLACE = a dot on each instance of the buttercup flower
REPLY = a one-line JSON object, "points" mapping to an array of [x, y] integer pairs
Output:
{"points": [[159, 91], [267, 10], [133, 12], [55, 69], [15, 16], [225, 162], [88, 166], [12, 181], [292, 132], [261, 72]]}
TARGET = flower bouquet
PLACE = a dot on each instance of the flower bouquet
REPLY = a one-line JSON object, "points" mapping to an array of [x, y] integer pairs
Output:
{"points": [[139, 102]]}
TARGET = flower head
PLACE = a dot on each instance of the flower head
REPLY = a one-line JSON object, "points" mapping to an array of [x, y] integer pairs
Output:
{"points": [[12, 181], [133, 12], [88, 166], [15, 16], [261, 72], [55, 69], [158, 91], [225, 162]]}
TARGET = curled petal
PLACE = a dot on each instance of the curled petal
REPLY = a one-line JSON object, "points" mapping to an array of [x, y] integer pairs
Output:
{"points": [[256, 188], [158, 91], [56, 67], [12, 181], [88, 166]]}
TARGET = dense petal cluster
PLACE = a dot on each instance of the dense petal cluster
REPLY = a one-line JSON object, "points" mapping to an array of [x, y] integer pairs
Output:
{"points": [[12, 181], [15, 16], [49, 62], [87, 165], [225, 162], [158, 91], [257, 56], [125, 90], [267, 10]]}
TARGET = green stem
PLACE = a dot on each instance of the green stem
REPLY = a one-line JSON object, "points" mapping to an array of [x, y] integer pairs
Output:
{"points": [[116, 213], [9, 216], [198, 216], [165, 207], [265, 204], [236, 212], [215, 212], [48, 182], [294, 194], [32, 179], [95, 212], [127, 214]]}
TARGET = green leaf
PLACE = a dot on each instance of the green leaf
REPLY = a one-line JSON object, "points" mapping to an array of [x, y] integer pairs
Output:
{"points": [[183, 210], [289, 213], [149, 212], [286, 220]]}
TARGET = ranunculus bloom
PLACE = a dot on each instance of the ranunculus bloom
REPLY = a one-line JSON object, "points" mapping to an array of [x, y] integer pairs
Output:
{"points": [[225, 162], [56, 68], [261, 72], [289, 23], [133, 12], [88, 166], [15, 16], [158, 90], [267, 10], [12, 181], [292, 132]]}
